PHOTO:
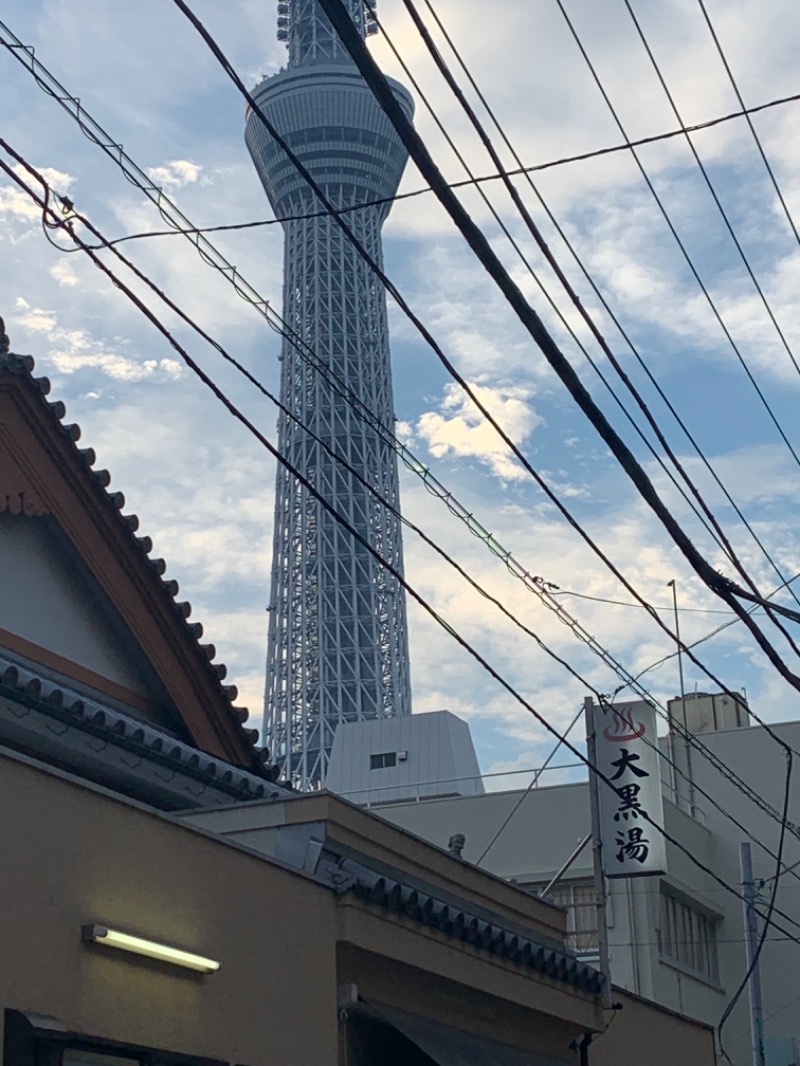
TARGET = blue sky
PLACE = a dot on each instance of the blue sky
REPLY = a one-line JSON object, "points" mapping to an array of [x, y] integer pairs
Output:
{"points": [[203, 488]]}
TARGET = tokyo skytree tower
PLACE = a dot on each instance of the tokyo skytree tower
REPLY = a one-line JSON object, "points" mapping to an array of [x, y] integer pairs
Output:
{"points": [[337, 643]]}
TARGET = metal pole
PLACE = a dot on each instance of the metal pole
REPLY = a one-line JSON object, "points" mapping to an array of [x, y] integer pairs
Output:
{"points": [[688, 748], [597, 853], [567, 864], [751, 941]]}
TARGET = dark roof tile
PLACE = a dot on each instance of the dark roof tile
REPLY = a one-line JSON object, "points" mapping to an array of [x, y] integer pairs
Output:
{"points": [[24, 366]]}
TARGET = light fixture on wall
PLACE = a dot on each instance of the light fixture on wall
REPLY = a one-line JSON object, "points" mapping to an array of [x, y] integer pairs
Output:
{"points": [[114, 938]]}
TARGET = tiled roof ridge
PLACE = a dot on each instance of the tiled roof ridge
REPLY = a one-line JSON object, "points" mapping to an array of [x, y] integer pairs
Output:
{"points": [[23, 365], [454, 921], [144, 738]]}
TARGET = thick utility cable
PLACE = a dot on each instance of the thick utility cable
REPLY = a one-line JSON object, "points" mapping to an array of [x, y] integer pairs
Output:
{"points": [[212, 257], [24, 54], [723, 214], [446, 73], [42, 202], [724, 588], [355, 46], [206, 250], [675, 234], [67, 223], [746, 116], [708, 522]]}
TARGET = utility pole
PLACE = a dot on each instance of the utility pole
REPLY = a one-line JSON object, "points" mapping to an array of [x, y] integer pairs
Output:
{"points": [[688, 749], [751, 940], [597, 853]]}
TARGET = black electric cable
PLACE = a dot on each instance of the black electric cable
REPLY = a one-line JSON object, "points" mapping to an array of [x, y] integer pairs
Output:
{"points": [[767, 918], [706, 520], [231, 274], [113, 149], [447, 74], [25, 55], [116, 152], [236, 413], [355, 46], [339, 16], [43, 203], [70, 216], [756, 138], [712, 190], [533, 229], [136, 176], [671, 226]]}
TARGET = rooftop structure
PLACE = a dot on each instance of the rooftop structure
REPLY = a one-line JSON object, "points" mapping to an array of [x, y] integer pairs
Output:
{"points": [[337, 643], [413, 757]]}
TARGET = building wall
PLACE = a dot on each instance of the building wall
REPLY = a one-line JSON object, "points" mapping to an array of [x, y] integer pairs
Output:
{"points": [[545, 829], [49, 600], [75, 856], [757, 758], [429, 754], [639, 1035]]}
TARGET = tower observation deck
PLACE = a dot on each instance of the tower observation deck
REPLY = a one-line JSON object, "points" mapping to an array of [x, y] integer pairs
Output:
{"points": [[337, 643]]}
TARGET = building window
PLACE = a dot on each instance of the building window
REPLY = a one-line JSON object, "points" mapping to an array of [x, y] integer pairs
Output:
{"points": [[687, 938], [578, 897], [384, 759]]}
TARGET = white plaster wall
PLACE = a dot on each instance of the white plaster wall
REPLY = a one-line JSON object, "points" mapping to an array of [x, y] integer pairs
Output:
{"points": [[48, 598], [440, 758]]}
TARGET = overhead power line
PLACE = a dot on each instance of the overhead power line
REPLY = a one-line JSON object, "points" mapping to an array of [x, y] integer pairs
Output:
{"points": [[42, 202], [533, 229], [25, 55], [569, 244], [67, 223], [356, 48], [676, 236], [212, 257], [746, 115], [339, 17], [712, 190]]}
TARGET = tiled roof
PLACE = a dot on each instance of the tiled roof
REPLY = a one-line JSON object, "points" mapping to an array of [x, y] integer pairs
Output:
{"points": [[454, 921], [89, 715], [23, 366]]}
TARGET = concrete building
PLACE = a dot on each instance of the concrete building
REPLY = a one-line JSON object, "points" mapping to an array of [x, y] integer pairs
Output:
{"points": [[677, 940], [422, 755], [165, 902]]}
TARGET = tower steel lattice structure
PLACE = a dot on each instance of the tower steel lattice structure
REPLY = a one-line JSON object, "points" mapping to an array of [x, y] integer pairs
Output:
{"points": [[337, 641]]}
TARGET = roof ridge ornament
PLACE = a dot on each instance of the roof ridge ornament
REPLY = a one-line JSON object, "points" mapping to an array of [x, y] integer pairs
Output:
{"points": [[4, 341]]}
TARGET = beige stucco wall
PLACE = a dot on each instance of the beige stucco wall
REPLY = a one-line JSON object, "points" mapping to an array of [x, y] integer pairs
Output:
{"points": [[643, 1033], [73, 856]]}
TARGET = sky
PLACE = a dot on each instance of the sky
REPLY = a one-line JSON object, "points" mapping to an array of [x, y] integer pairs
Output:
{"points": [[202, 486]]}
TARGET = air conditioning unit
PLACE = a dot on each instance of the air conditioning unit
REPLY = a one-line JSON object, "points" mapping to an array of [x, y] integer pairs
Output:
{"points": [[402, 756]]}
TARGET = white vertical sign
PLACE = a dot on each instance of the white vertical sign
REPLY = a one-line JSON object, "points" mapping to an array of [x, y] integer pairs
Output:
{"points": [[626, 752]]}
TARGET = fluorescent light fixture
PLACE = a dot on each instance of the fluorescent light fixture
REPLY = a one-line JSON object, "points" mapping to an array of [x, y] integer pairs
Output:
{"points": [[113, 938]]}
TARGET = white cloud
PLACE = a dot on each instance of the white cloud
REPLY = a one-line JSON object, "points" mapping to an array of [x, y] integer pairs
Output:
{"points": [[64, 273], [73, 350], [458, 428], [176, 174]]}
